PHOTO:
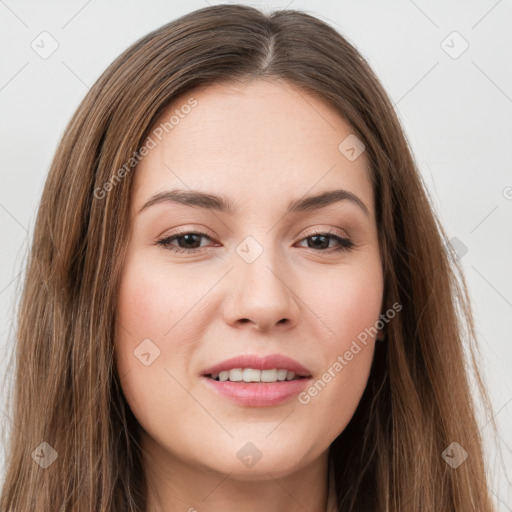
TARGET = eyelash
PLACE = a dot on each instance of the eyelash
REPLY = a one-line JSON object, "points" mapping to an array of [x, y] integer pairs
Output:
{"points": [[345, 244]]}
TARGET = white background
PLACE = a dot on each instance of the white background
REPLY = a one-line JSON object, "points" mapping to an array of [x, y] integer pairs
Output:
{"points": [[457, 114]]}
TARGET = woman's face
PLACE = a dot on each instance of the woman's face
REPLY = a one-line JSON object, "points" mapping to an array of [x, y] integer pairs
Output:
{"points": [[258, 282]]}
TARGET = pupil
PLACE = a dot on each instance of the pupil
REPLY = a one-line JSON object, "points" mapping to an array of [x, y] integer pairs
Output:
{"points": [[187, 237], [323, 245]]}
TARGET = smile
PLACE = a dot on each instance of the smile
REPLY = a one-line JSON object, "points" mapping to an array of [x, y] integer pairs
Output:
{"points": [[255, 375]]}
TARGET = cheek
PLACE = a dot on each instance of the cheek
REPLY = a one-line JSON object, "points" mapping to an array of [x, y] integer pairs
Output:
{"points": [[143, 303], [349, 310], [147, 310], [153, 302], [142, 319], [332, 398], [155, 313], [334, 394], [348, 302]]}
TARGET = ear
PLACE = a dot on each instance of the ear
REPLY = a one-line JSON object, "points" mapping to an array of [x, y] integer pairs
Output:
{"points": [[381, 336]]}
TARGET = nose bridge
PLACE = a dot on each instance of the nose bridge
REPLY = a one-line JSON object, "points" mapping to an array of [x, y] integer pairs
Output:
{"points": [[260, 266], [261, 291]]}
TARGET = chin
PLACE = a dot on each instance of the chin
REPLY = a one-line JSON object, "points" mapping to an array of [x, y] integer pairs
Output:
{"points": [[262, 470], [256, 460]]}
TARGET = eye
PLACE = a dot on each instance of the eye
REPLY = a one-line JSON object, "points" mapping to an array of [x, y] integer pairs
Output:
{"points": [[187, 239], [320, 240], [188, 242]]}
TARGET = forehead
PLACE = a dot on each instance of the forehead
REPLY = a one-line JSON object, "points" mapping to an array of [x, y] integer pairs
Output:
{"points": [[265, 141]]}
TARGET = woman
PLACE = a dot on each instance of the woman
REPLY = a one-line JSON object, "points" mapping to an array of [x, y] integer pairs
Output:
{"points": [[308, 356]]}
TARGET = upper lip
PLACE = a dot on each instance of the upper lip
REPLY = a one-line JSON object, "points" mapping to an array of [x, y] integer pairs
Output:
{"points": [[268, 362]]}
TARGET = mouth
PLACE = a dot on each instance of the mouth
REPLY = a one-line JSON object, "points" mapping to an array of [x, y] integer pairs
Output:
{"points": [[255, 375], [256, 368], [256, 381]]}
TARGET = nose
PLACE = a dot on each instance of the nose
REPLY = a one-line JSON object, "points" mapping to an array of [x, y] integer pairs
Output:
{"points": [[261, 294]]}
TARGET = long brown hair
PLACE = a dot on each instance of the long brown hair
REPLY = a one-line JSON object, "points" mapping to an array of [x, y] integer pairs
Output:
{"points": [[66, 389]]}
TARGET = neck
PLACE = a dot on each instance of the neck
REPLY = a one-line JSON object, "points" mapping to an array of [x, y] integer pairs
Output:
{"points": [[177, 485]]}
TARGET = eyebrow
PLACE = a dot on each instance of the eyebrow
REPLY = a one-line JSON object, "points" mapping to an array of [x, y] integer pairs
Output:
{"points": [[196, 198]]}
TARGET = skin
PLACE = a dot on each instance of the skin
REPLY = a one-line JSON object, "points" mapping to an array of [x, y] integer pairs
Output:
{"points": [[262, 145]]}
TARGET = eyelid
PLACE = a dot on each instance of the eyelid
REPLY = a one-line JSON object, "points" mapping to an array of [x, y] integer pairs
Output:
{"points": [[326, 231], [190, 229]]}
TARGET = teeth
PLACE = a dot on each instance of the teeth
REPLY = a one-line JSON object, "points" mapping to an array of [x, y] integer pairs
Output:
{"points": [[236, 375], [281, 374], [251, 375], [268, 375], [254, 375]]}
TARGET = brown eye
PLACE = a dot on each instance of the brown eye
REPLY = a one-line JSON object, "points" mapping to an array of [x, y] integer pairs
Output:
{"points": [[320, 241], [187, 242]]}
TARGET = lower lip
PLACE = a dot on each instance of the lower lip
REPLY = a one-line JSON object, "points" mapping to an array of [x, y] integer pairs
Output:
{"points": [[257, 394]]}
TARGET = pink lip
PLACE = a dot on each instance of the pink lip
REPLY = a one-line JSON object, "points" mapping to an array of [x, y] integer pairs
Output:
{"points": [[268, 362], [257, 394]]}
